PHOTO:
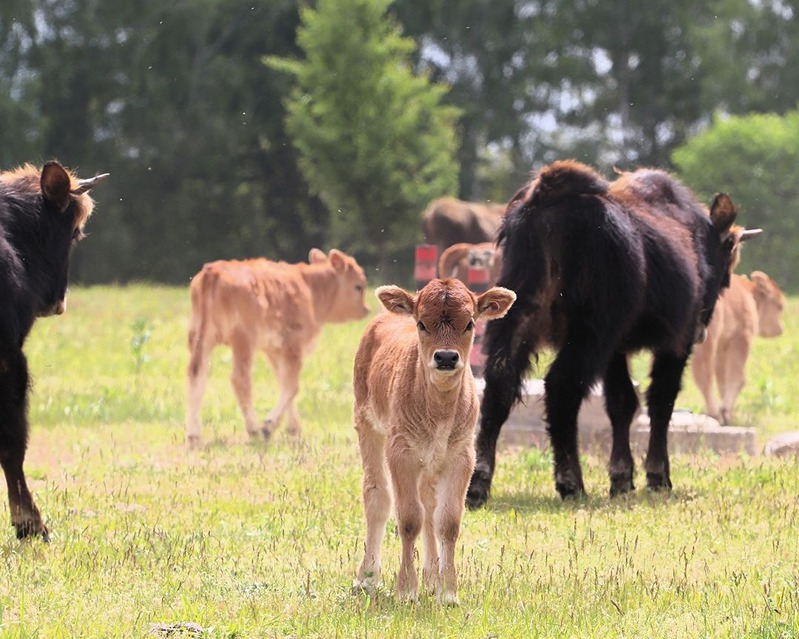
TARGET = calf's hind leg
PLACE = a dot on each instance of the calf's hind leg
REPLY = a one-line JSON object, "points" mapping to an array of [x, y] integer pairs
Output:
{"points": [[241, 380]]}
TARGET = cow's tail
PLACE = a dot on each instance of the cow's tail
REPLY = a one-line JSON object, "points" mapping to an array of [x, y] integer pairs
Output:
{"points": [[202, 286], [526, 241]]}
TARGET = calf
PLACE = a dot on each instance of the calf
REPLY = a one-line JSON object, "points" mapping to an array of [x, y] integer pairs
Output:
{"points": [[746, 309], [42, 215], [415, 413], [457, 259], [273, 307]]}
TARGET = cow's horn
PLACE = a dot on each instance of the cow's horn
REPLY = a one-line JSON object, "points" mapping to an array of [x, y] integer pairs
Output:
{"points": [[748, 234], [89, 183]]}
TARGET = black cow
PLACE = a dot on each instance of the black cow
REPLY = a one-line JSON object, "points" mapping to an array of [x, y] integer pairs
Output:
{"points": [[42, 215], [602, 270]]}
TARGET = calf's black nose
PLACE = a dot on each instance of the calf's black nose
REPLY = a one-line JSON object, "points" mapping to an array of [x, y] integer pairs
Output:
{"points": [[446, 360]]}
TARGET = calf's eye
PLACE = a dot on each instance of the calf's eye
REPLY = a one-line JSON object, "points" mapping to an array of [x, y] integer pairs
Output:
{"points": [[469, 326], [420, 325]]}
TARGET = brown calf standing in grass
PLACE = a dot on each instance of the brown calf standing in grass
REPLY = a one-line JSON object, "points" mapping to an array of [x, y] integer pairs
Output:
{"points": [[415, 413], [745, 310], [273, 307]]}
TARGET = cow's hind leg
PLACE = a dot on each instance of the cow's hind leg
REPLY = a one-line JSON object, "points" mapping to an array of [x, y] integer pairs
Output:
{"points": [[576, 368], [376, 501], [621, 403], [25, 515], [197, 375], [241, 380], [731, 377], [667, 370], [287, 370]]}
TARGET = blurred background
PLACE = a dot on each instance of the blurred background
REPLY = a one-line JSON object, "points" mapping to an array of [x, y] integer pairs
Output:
{"points": [[262, 128]]}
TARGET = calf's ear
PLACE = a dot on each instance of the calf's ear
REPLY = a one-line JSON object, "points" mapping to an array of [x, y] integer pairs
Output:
{"points": [[315, 256], [55, 184], [395, 299], [336, 258], [494, 303]]}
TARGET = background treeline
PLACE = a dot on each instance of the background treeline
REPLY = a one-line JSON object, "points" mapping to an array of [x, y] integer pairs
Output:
{"points": [[266, 127]]}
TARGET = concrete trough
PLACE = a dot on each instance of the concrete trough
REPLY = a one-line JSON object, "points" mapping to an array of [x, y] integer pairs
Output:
{"points": [[689, 433]]}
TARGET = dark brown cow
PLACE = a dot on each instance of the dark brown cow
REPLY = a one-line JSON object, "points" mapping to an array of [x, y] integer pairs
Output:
{"points": [[42, 215], [273, 307], [747, 309], [447, 221], [602, 270]]}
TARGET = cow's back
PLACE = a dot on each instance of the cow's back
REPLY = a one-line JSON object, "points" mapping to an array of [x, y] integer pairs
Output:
{"points": [[259, 298]]}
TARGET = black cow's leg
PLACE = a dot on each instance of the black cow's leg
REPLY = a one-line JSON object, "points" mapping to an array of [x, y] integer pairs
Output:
{"points": [[13, 442], [576, 368], [498, 398], [504, 372], [666, 377], [621, 403]]}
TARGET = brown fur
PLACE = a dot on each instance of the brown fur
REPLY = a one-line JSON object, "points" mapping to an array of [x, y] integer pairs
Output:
{"points": [[415, 417], [273, 307], [743, 311], [447, 221]]}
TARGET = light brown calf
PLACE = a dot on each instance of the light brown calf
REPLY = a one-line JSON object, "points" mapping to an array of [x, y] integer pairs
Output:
{"points": [[415, 413], [746, 309], [274, 307], [456, 260]]}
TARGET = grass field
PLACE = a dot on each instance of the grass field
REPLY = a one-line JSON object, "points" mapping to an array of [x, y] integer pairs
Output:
{"points": [[253, 540]]}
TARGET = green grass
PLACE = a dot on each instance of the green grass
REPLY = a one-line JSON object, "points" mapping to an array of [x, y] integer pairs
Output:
{"points": [[254, 540]]}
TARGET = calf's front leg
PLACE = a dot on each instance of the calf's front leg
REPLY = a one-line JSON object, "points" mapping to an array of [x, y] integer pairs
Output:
{"points": [[405, 470], [449, 513], [376, 502]]}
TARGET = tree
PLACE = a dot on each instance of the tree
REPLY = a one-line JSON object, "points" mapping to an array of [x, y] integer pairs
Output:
{"points": [[375, 142], [755, 159]]}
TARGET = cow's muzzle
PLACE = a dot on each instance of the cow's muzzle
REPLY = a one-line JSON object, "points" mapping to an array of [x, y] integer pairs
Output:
{"points": [[446, 360], [56, 309]]}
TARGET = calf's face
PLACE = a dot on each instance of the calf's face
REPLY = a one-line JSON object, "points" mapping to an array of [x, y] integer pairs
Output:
{"points": [[445, 312], [350, 302], [770, 302]]}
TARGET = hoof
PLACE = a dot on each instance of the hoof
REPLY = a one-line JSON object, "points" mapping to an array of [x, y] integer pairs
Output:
{"points": [[194, 442], [658, 482], [569, 483], [266, 431], [31, 528], [621, 485], [449, 599], [479, 489], [364, 586]]}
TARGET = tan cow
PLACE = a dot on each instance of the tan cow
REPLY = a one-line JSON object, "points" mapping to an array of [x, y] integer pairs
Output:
{"points": [[274, 307], [746, 309], [415, 413], [456, 260], [447, 221]]}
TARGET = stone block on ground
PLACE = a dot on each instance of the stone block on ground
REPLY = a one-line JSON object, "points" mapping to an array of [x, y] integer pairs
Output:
{"points": [[689, 433]]}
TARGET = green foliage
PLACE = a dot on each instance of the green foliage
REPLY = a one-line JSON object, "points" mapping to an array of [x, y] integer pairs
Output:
{"points": [[248, 540], [375, 142], [755, 159]]}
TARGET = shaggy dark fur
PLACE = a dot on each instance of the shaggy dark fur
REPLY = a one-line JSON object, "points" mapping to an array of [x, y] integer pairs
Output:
{"points": [[602, 270], [42, 214]]}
